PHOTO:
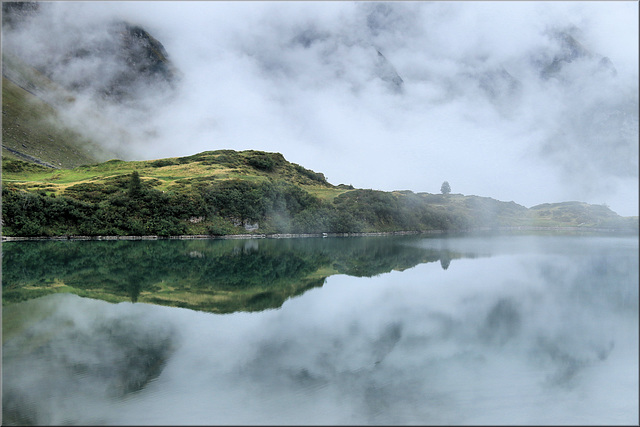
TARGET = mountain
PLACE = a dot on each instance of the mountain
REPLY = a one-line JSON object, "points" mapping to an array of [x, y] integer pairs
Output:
{"points": [[58, 108], [114, 63], [570, 50], [387, 73], [13, 13], [32, 129]]}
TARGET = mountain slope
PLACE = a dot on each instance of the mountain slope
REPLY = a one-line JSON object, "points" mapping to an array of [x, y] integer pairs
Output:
{"points": [[59, 96], [579, 214], [31, 131]]}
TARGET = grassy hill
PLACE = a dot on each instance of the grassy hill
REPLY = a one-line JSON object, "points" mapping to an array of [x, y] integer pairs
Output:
{"points": [[53, 184], [580, 214], [218, 192], [172, 174], [229, 192]]}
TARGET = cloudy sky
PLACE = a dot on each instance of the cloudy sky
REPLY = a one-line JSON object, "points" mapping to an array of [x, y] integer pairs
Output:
{"points": [[398, 95]]}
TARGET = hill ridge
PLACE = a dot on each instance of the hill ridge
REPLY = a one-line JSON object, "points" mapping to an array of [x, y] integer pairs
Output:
{"points": [[225, 192]]}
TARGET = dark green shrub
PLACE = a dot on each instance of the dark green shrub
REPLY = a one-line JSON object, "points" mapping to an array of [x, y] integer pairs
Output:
{"points": [[262, 162], [163, 162]]}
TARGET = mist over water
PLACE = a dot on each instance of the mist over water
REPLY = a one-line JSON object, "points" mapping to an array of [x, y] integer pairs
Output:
{"points": [[523, 101], [522, 330]]}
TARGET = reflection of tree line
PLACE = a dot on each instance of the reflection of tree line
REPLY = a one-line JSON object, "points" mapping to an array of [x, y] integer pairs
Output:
{"points": [[259, 273]]}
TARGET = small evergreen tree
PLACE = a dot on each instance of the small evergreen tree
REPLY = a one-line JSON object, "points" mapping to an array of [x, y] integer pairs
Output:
{"points": [[446, 188], [135, 186]]}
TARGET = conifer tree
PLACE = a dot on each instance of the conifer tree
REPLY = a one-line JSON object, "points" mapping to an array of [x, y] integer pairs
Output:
{"points": [[446, 188], [135, 186]]}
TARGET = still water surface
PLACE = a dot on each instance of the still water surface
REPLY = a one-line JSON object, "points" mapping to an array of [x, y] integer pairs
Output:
{"points": [[412, 330]]}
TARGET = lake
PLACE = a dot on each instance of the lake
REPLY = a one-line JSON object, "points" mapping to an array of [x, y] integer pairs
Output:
{"points": [[460, 329]]}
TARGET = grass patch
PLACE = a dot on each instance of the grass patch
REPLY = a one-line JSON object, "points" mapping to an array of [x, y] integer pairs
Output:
{"points": [[174, 174]]}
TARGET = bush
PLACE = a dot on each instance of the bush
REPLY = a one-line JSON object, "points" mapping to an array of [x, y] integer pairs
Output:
{"points": [[234, 199], [163, 162], [314, 176]]}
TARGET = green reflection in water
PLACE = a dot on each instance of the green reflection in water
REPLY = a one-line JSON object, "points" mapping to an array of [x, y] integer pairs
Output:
{"points": [[219, 276]]}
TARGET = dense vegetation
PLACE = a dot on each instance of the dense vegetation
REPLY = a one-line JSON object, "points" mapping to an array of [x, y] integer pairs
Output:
{"points": [[129, 207], [228, 192]]}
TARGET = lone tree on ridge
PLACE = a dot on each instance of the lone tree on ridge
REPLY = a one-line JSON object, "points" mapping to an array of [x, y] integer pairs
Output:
{"points": [[446, 188]]}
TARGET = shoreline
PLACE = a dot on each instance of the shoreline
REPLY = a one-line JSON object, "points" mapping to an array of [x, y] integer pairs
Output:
{"points": [[308, 235], [218, 237]]}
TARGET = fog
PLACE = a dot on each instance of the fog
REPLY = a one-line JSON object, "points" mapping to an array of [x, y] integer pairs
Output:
{"points": [[390, 96], [526, 334]]}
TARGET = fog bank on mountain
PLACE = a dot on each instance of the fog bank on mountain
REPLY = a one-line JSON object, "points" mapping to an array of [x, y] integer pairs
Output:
{"points": [[517, 101]]}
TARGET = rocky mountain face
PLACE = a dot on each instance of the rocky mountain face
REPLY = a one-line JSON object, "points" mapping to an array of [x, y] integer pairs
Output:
{"points": [[387, 73], [136, 58], [115, 63], [504, 89], [13, 13], [59, 89], [572, 50]]}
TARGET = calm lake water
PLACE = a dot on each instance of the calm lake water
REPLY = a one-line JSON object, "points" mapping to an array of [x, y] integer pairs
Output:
{"points": [[380, 330]]}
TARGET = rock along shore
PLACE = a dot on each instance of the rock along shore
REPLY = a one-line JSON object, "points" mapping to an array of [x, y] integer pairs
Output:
{"points": [[291, 236], [211, 236]]}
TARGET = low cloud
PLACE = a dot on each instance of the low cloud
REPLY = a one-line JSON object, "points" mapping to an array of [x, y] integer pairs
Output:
{"points": [[474, 101]]}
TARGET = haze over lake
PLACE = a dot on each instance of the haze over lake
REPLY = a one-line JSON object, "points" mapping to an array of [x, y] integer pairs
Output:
{"points": [[525, 103], [475, 330]]}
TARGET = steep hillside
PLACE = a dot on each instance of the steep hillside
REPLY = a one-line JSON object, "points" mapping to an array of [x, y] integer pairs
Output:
{"points": [[32, 131], [34, 124], [56, 106]]}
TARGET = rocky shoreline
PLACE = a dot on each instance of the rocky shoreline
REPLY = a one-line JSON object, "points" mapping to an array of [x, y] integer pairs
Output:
{"points": [[306, 235], [211, 236]]}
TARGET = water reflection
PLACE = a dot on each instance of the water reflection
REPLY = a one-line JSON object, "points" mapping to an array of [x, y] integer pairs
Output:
{"points": [[220, 276], [543, 331]]}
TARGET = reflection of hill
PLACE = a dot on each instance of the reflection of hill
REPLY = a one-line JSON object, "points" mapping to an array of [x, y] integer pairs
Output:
{"points": [[210, 275], [371, 257]]}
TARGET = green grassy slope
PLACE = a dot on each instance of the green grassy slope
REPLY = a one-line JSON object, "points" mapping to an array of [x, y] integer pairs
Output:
{"points": [[216, 192], [579, 214], [172, 174], [31, 131], [221, 192]]}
